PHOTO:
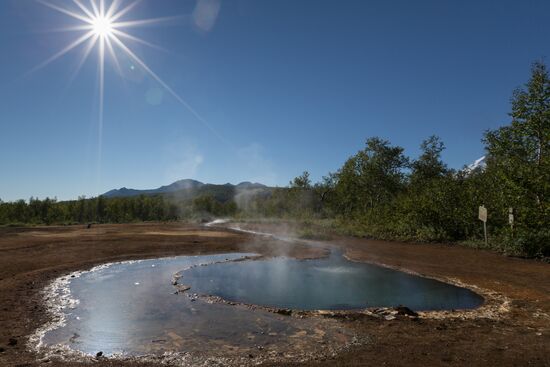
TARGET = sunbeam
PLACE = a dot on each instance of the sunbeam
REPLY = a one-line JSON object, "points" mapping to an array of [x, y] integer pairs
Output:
{"points": [[143, 22], [164, 85], [136, 39], [84, 9], [121, 13], [65, 50], [66, 12], [102, 25], [91, 43]]}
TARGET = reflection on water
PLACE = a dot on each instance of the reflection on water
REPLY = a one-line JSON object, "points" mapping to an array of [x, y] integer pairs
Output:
{"points": [[131, 308], [332, 283]]}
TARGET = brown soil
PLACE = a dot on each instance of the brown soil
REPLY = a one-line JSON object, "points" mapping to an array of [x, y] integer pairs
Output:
{"points": [[519, 335]]}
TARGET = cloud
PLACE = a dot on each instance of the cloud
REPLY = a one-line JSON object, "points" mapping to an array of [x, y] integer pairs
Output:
{"points": [[205, 14]]}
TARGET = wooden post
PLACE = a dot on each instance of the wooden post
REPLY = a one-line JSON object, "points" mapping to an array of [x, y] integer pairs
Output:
{"points": [[485, 231]]}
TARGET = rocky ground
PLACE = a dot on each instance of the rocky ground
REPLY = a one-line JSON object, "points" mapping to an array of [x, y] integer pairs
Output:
{"points": [[512, 329]]}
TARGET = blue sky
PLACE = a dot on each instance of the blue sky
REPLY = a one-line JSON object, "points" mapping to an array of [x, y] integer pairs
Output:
{"points": [[285, 85]]}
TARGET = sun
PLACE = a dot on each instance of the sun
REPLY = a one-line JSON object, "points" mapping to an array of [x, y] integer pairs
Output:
{"points": [[103, 26]]}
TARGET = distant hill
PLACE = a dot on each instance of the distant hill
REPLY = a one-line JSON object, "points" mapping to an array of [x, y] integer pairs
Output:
{"points": [[189, 189]]}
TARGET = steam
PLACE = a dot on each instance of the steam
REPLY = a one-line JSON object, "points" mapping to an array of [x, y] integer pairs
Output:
{"points": [[257, 167], [216, 222], [279, 238], [246, 199], [184, 160]]}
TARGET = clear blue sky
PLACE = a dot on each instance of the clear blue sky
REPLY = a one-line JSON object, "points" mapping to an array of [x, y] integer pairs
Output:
{"points": [[287, 86]]}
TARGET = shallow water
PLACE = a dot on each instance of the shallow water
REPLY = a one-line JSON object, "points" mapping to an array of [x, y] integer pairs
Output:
{"points": [[333, 283], [131, 309]]}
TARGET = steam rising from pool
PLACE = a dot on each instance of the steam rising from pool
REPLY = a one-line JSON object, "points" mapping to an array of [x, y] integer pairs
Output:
{"points": [[332, 283]]}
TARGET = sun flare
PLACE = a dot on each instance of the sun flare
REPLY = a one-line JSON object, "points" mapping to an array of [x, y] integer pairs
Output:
{"points": [[103, 26]]}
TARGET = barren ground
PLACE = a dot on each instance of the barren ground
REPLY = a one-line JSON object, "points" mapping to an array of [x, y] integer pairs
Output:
{"points": [[518, 336]]}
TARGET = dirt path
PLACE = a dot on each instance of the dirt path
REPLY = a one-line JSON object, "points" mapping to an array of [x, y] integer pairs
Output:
{"points": [[521, 337]]}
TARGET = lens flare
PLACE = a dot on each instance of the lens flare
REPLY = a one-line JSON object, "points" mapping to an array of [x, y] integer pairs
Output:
{"points": [[101, 27]]}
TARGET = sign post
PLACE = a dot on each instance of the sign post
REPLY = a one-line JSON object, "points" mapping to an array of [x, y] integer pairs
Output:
{"points": [[483, 217]]}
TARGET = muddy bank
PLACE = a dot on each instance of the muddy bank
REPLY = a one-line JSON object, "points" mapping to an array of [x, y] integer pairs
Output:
{"points": [[33, 257]]}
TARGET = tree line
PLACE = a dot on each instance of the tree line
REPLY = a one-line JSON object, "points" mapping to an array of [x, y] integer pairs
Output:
{"points": [[111, 210], [380, 192]]}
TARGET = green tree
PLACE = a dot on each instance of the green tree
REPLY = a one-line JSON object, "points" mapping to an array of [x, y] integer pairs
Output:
{"points": [[301, 182], [372, 177], [429, 165], [519, 161]]}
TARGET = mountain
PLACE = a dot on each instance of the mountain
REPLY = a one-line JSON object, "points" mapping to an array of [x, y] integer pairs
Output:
{"points": [[479, 163], [180, 185], [188, 189], [249, 185]]}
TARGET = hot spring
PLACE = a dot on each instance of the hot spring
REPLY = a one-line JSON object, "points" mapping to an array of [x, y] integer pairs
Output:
{"points": [[134, 309], [332, 283]]}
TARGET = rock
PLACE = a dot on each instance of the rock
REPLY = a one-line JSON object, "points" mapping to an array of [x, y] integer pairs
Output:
{"points": [[182, 287], [2, 350], [284, 311], [389, 317], [402, 310], [99, 354], [12, 342]]}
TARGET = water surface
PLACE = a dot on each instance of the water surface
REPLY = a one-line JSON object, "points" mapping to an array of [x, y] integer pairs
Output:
{"points": [[131, 309], [333, 283]]}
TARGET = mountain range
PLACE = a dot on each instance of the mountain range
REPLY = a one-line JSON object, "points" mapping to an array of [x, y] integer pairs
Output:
{"points": [[188, 189]]}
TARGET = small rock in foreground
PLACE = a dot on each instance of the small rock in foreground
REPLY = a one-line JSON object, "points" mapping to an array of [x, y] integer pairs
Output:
{"points": [[402, 310], [284, 311]]}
